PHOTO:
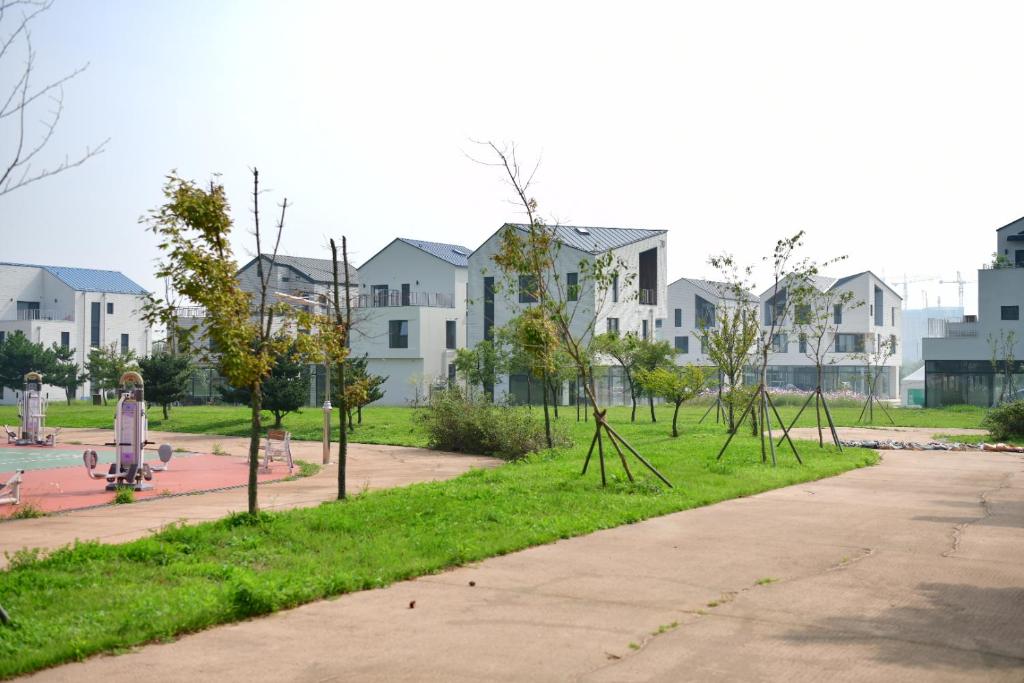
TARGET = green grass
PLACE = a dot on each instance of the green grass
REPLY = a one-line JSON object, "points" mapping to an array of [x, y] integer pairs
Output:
{"points": [[397, 425], [192, 577]]}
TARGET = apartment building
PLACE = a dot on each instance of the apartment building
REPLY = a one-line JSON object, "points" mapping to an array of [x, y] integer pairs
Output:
{"points": [[634, 302], [410, 316], [958, 359], [79, 308], [876, 318], [693, 306]]}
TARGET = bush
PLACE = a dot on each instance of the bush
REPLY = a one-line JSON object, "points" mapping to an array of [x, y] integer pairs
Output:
{"points": [[1006, 421], [454, 422]]}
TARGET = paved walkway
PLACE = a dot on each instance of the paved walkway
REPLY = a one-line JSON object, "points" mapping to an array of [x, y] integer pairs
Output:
{"points": [[369, 467], [912, 571]]}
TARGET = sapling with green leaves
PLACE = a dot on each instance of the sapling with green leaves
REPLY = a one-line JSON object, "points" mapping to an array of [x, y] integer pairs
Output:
{"points": [[194, 228], [675, 384], [625, 350], [1004, 362], [729, 343], [530, 253], [875, 358]]}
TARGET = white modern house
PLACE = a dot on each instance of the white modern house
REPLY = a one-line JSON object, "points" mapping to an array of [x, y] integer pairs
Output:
{"points": [[693, 305], [861, 329], [958, 360], [78, 308], [634, 307], [410, 316]]}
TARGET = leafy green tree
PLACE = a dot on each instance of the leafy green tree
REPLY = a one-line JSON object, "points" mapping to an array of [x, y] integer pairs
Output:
{"points": [[66, 373], [625, 350], [482, 365], [285, 390], [106, 365], [674, 384], [651, 355], [194, 231], [730, 345], [362, 388], [166, 376], [19, 355]]}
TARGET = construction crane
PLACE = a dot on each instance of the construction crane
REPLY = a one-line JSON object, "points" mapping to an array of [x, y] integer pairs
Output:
{"points": [[904, 284], [959, 282]]}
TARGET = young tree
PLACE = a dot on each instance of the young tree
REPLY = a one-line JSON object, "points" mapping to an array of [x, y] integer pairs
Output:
{"points": [[816, 320], [285, 390], [66, 373], [166, 376], [482, 365], [194, 228], [106, 365], [874, 362], [651, 355], [19, 355], [25, 102], [786, 271], [624, 350], [532, 251], [730, 344], [674, 384], [1004, 362], [363, 387]]}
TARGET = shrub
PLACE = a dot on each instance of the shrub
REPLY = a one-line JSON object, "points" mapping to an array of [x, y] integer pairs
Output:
{"points": [[454, 422], [124, 495], [1006, 421]]}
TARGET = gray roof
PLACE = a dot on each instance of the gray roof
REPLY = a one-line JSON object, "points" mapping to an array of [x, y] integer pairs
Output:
{"points": [[1019, 223], [455, 254], [715, 288], [597, 240], [843, 280], [90, 279], [316, 269]]}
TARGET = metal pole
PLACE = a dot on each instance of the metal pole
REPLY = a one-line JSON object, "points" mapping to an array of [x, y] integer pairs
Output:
{"points": [[327, 414]]}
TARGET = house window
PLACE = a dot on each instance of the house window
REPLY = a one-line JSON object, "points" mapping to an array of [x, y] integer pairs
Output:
{"points": [[645, 332], [398, 334], [28, 310], [683, 344], [527, 289], [679, 317], [705, 312], [449, 334], [849, 343], [879, 308], [3, 335], [65, 340], [780, 344], [803, 343], [94, 324], [110, 308], [379, 294], [802, 314], [124, 343], [837, 314], [704, 345], [774, 307], [1009, 312], [615, 287], [451, 374], [406, 295], [613, 325], [572, 286], [892, 316], [488, 308], [658, 323]]}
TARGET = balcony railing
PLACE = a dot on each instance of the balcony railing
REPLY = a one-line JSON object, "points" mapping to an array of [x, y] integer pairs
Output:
{"points": [[46, 314], [940, 328], [394, 297], [190, 312], [649, 297]]}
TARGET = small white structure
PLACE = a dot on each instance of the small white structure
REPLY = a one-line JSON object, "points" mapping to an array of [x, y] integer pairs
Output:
{"points": [[912, 389], [78, 308], [958, 358], [639, 310], [860, 330], [410, 316]]}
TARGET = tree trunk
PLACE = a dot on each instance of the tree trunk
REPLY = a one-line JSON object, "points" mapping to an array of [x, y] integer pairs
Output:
{"points": [[277, 418], [675, 416], [164, 406], [632, 396], [254, 446], [817, 408], [547, 416], [359, 415], [342, 434], [650, 401]]}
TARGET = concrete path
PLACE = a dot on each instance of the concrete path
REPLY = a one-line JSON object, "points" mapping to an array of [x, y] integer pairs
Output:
{"points": [[909, 571], [369, 467]]}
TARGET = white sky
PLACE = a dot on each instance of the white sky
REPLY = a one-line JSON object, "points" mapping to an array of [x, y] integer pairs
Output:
{"points": [[891, 132]]}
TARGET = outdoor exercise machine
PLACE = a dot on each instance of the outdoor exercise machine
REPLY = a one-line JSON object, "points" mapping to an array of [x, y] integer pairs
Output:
{"points": [[32, 412], [129, 467], [10, 492]]}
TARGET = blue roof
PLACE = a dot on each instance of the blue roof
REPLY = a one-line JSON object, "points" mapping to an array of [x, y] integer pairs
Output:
{"points": [[89, 279], [455, 254]]}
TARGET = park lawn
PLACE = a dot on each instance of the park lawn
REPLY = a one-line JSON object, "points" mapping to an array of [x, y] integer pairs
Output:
{"points": [[397, 425], [69, 605]]}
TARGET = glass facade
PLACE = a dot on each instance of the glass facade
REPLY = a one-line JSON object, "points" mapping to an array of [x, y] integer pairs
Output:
{"points": [[833, 378], [970, 382]]}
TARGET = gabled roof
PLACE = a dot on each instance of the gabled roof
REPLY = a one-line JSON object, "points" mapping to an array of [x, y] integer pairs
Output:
{"points": [[596, 240], [90, 279], [843, 280], [715, 288], [455, 254], [1019, 223], [319, 270]]}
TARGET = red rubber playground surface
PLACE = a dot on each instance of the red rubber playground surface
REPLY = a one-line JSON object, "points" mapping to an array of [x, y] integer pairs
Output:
{"points": [[53, 484]]}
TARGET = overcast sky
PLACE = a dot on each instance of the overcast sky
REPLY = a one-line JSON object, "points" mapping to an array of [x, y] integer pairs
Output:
{"points": [[890, 132]]}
